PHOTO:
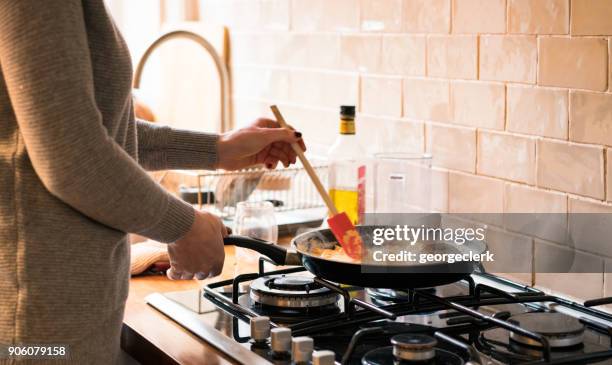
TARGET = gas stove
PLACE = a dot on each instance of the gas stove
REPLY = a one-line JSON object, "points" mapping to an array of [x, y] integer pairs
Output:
{"points": [[291, 317]]}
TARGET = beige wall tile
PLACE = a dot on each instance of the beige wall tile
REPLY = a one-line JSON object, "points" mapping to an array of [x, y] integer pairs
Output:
{"points": [[576, 274], [258, 48], [609, 176], [591, 117], [478, 104], [506, 156], [427, 99], [452, 147], [246, 14], [452, 56], [360, 52], [538, 17], [474, 194], [538, 111], [403, 54], [323, 15], [381, 15], [389, 135], [274, 14], [513, 254], [323, 88], [300, 117], [571, 167], [573, 62], [426, 16], [542, 213], [237, 14], [479, 16], [590, 225], [585, 205], [439, 190], [260, 82], [381, 95], [508, 58], [526, 199], [591, 17], [307, 50]]}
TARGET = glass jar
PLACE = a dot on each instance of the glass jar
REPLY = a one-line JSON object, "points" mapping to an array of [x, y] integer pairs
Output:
{"points": [[257, 220]]}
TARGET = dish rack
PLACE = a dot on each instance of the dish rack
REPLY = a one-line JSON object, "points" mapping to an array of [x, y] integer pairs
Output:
{"points": [[288, 189]]}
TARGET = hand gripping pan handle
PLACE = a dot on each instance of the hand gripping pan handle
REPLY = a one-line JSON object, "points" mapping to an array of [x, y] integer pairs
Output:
{"points": [[280, 255]]}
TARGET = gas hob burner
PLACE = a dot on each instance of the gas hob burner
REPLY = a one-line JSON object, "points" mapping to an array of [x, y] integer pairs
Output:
{"points": [[290, 298], [290, 291], [412, 349], [559, 329]]}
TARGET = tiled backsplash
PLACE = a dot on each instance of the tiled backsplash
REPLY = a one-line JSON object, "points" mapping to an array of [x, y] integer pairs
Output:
{"points": [[512, 97]]}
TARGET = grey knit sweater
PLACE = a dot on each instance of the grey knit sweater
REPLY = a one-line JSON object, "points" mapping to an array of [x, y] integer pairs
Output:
{"points": [[72, 181]]}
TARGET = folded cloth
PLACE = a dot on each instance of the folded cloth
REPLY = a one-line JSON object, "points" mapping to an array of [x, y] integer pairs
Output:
{"points": [[147, 253]]}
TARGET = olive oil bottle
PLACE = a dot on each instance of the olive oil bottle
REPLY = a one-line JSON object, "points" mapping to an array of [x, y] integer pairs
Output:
{"points": [[347, 168]]}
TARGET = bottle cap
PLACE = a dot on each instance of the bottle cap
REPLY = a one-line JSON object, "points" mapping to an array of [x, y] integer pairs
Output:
{"points": [[347, 111]]}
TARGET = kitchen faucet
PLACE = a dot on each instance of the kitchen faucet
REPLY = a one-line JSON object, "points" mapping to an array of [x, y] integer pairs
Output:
{"points": [[226, 122]]}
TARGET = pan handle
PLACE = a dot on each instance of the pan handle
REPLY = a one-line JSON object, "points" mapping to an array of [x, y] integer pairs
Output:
{"points": [[278, 254]]}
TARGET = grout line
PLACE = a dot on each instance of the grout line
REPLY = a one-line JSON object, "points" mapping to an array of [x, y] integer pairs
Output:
{"points": [[533, 262], [477, 148], [536, 164], [537, 64], [506, 108], [426, 56], [605, 174], [478, 56], [402, 97], [426, 141], [569, 18], [450, 17], [507, 16]]}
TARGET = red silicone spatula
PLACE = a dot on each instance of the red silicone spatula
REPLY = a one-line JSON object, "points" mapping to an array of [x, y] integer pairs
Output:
{"points": [[339, 223]]}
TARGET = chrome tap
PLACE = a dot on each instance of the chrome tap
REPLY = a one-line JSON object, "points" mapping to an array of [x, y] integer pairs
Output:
{"points": [[226, 120]]}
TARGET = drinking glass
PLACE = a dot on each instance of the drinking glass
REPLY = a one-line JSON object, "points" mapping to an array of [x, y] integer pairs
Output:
{"points": [[253, 219]]}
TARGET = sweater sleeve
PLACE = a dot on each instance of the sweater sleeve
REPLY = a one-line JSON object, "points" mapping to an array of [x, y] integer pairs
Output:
{"points": [[165, 148], [45, 59]]}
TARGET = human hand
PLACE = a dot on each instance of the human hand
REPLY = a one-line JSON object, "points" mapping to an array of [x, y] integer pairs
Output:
{"points": [[262, 142], [200, 252]]}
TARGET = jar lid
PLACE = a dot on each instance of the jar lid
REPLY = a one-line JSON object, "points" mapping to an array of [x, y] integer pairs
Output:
{"points": [[347, 110]]}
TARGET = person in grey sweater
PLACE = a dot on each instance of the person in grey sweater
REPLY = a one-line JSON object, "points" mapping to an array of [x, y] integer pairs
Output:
{"points": [[73, 180]]}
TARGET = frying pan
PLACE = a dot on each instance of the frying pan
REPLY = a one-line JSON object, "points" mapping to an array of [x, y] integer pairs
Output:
{"points": [[371, 275]]}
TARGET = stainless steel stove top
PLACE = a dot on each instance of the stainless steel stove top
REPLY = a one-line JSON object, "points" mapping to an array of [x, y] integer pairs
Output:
{"points": [[481, 320]]}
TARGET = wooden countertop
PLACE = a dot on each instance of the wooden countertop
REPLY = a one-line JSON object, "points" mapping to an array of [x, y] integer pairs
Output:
{"points": [[152, 338]]}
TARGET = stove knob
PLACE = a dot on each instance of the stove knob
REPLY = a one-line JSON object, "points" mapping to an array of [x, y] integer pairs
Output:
{"points": [[260, 328], [324, 357], [301, 349], [281, 340]]}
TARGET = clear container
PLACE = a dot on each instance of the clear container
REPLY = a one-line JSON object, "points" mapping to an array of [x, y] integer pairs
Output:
{"points": [[405, 183], [253, 219]]}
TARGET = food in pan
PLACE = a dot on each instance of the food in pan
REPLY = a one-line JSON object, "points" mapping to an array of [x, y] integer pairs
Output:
{"points": [[336, 254]]}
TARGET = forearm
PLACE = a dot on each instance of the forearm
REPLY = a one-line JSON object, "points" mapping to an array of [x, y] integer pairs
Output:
{"points": [[165, 148]]}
